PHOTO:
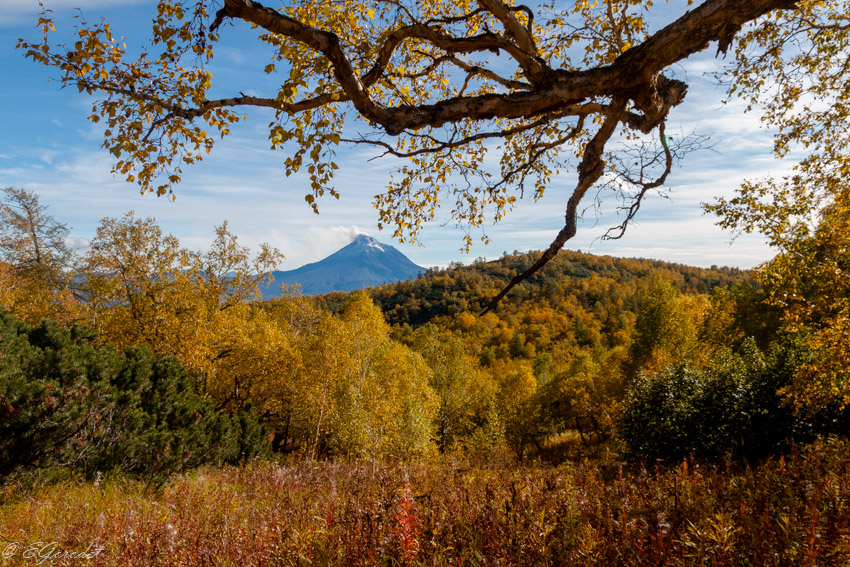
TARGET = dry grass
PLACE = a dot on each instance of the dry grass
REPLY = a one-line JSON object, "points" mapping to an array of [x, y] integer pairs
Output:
{"points": [[792, 511]]}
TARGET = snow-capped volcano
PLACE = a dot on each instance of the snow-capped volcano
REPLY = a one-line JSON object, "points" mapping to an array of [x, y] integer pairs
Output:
{"points": [[363, 263]]}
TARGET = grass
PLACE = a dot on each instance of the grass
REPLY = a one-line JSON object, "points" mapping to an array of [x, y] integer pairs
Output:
{"points": [[788, 511]]}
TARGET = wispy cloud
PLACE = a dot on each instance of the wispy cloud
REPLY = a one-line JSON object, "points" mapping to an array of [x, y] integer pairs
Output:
{"points": [[244, 182]]}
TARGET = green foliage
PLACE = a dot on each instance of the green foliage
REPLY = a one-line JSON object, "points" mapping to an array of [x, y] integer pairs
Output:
{"points": [[66, 403], [466, 396], [732, 405], [585, 397]]}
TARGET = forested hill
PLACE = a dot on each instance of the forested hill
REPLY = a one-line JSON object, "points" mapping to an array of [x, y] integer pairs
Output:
{"points": [[571, 279], [577, 301]]}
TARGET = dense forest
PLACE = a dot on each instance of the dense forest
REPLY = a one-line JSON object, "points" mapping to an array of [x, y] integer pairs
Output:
{"points": [[656, 361], [141, 360]]}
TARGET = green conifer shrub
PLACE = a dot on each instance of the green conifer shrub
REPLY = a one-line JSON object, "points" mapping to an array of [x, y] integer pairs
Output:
{"points": [[731, 406], [68, 404]]}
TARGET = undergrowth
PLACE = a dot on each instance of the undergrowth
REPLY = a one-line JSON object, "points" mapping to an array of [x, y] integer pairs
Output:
{"points": [[793, 510]]}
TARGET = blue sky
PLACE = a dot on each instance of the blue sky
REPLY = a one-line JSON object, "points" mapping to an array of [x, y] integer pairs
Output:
{"points": [[47, 146]]}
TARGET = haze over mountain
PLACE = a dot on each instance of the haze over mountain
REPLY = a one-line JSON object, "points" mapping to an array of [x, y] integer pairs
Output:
{"points": [[363, 263]]}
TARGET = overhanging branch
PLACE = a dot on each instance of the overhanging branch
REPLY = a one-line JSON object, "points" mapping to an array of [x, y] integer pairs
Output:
{"points": [[590, 170]]}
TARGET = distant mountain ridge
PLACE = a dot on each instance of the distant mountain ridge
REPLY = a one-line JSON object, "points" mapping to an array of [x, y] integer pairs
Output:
{"points": [[365, 262]]}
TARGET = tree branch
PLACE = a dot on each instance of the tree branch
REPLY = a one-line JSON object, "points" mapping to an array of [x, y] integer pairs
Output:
{"points": [[590, 170], [634, 72], [640, 96], [442, 145], [644, 188]]}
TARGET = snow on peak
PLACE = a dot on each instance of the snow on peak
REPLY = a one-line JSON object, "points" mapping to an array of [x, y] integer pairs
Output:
{"points": [[369, 242], [372, 243]]}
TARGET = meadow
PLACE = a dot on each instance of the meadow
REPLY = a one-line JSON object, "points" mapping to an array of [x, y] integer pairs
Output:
{"points": [[791, 510]]}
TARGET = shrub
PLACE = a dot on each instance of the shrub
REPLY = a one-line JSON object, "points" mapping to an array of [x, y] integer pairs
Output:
{"points": [[66, 403], [732, 405], [789, 511]]}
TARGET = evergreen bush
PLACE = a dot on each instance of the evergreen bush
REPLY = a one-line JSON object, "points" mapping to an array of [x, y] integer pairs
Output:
{"points": [[67, 403], [731, 406]]}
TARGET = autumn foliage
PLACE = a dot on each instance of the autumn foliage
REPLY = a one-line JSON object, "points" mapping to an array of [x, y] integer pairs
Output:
{"points": [[670, 361], [669, 395], [786, 511], [698, 417]]}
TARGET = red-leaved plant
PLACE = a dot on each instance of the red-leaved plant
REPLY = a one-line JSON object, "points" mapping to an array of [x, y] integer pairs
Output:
{"points": [[406, 528]]}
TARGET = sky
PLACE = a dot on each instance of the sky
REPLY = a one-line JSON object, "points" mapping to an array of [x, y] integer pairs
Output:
{"points": [[47, 146]]}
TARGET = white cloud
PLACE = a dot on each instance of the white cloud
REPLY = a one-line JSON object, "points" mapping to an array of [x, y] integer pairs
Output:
{"points": [[78, 243]]}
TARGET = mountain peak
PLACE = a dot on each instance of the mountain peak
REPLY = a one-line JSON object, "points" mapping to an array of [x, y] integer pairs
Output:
{"points": [[366, 241], [364, 262]]}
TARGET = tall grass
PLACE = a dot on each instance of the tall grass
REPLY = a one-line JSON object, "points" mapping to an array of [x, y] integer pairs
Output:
{"points": [[788, 511]]}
